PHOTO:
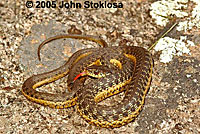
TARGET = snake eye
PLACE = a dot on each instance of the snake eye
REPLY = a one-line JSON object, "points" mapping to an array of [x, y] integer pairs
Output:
{"points": [[96, 72]]}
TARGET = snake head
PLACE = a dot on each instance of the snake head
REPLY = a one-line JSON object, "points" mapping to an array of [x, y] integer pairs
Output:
{"points": [[94, 71]]}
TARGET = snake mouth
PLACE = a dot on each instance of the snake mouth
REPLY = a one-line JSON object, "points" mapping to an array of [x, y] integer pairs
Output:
{"points": [[79, 75]]}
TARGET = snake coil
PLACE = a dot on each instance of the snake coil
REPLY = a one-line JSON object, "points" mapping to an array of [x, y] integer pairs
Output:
{"points": [[125, 69]]}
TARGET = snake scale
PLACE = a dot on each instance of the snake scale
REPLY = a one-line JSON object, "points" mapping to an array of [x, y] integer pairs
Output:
{"points": [[124, 68]]}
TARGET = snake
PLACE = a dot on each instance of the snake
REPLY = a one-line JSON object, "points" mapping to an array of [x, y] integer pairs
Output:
{"points": [[110, 70]]}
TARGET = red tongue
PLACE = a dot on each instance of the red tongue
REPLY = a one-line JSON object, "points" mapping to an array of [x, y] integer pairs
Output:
{"points": [[79, 75]]}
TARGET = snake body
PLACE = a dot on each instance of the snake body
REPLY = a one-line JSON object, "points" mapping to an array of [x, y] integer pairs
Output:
{"points": [[135, 92], [129, 70]]}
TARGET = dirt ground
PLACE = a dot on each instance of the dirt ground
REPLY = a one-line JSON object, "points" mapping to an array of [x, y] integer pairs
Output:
{"points": [[173, 101]]}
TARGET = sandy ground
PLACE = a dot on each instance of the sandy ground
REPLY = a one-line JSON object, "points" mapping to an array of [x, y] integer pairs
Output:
{"points": [[172, 104]]}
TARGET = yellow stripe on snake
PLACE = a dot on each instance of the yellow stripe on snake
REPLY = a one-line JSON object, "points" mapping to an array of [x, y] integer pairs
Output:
{"points": [[110, 69]]}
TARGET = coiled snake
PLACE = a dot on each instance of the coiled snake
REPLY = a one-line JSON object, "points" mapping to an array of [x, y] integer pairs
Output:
{"points": [[111, 70]]}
